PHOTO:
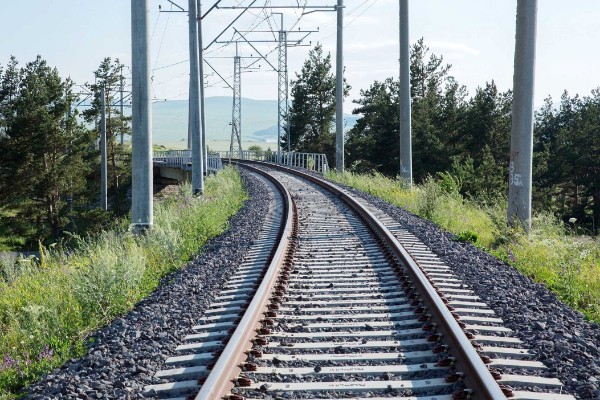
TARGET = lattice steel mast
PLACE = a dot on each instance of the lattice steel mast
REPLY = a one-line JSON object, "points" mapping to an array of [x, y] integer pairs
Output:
{"points": [[236, 115], [282, 90]]}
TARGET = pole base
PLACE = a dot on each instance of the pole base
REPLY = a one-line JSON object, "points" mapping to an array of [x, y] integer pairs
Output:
{"points": [[197, 192], [140, 229]]}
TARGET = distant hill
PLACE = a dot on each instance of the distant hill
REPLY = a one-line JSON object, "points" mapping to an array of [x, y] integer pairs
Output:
{"points": [[169, 118], [259, 120]]}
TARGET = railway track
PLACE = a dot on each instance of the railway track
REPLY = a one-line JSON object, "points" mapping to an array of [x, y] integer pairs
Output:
{"points": [[346, 305]]}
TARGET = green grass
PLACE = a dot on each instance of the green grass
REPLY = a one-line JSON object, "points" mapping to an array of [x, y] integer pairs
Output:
{"points": [[9, 241], [567, 264], [49, 307]]}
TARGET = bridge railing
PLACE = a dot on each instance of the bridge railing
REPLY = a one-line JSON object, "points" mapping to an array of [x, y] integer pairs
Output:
{"points": [[214, 162], [182, 159], [311, 161]]}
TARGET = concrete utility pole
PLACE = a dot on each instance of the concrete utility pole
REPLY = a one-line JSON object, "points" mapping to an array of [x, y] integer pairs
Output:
{"points": [[521, 141], [194, 117], [236, 112], [405, 117], [202, 108], [141, 121], [122, 115], [103, 180], [339, 93]]}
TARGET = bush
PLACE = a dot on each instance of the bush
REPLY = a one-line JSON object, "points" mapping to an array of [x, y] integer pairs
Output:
{"points": [[429, 198]]}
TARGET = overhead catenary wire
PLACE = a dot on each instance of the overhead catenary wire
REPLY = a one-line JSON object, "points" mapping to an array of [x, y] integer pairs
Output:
{"points": [[254, 20]]}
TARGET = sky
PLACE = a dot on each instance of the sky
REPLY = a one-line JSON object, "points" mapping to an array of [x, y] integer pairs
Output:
{"points": [[475, 36]]}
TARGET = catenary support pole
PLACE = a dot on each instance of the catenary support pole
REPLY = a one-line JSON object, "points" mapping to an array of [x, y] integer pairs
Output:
{"points": [[287, 100], [405, 121], [202, 107], [122, 127], [339, 92], [103, 175], [189, 131], [141, 119], [194, 95], [521, 141], [236, 110]]}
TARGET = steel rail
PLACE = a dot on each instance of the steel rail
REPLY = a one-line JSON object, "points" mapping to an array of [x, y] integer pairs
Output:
{"points": [[477, 377], [221, 378]]}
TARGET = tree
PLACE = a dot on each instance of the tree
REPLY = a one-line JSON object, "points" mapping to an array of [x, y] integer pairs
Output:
{"points": [[42, 145], [487, 122], [373, 140], [258, 151], [437, 103], [108, 76], [567, 149], [313, 106], [481, 144]]}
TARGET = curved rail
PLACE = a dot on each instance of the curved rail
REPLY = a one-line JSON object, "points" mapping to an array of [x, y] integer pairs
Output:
{"points": [[220, 380], [477, 376]]}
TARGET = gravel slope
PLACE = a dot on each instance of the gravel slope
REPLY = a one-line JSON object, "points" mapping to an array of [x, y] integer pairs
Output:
{"points": [[559, 336], [126, 353]]}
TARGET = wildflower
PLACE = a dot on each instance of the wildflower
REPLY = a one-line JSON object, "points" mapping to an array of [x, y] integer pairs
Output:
{"points": [[572, 220], [45, 354]]}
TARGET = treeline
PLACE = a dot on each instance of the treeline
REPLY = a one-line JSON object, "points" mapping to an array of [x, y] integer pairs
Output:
{"points": [[49, 153], [461, 139]]}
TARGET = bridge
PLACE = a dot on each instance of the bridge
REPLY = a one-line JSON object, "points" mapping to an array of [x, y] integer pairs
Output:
{"points": [[177, 164]]}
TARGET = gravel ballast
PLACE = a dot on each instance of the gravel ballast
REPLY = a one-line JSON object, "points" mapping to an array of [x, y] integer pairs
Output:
{"points": [[559, 336], [125, 354]]}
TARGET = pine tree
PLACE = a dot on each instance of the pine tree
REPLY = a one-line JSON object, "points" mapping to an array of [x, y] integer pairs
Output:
{"points": [[313, 106], [41, 146], [375, 136], [437, 104]]}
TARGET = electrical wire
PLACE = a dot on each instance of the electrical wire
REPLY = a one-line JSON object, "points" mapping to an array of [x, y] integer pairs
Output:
{"points": [[170, 65], [355, 18], [162, 39]]}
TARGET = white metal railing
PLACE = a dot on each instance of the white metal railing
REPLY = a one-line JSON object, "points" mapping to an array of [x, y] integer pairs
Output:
{"points": [[182, 159], [213, 162], [310, 161]]}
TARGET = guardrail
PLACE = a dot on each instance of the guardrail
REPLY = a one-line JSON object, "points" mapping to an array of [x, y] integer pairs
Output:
{"points": [[182, 159], [213, 162], [310, 161]]}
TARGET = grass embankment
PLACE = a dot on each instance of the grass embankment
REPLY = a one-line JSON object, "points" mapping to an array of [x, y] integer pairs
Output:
{"points": [[567, 264], [49, 307]]}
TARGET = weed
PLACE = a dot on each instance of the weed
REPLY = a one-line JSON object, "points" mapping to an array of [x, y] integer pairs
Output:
{"points": [[466, 236]]}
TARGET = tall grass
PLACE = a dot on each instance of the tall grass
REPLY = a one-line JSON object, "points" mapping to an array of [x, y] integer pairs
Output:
{"points": [[550, 254], [48, 307]]}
